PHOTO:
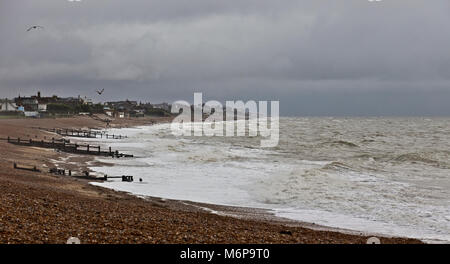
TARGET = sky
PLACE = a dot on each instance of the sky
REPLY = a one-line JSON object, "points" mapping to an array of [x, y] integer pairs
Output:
{"points": [[317, 57]]}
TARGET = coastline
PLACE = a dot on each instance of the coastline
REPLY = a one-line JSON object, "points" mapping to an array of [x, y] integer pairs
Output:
{"points": [[44, 208]]}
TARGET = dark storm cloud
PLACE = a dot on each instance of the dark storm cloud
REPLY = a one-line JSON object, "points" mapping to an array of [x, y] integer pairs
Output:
{"points": [[303, 53]]}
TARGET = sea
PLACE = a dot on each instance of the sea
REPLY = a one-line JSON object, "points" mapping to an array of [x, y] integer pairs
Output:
{"points": [[386, 176]]}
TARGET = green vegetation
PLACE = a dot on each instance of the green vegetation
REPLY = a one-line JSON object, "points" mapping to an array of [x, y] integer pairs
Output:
{"points": [[74, 109], [59, 108], [11, 115], [156, 112]]}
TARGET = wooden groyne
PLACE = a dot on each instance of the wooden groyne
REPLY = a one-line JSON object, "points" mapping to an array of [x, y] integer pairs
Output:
{"points": [[81, 133], [88, 176], [84, 175], [83, 149], [27, 168]]}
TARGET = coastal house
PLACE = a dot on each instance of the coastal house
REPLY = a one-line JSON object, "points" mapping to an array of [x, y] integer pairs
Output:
{"points": [[34, 103], [38, 103], [163, 106], [28, 104], [123, 105], [86, 101], [108, 111], [42, 106], [118, 114], [120, 109], [7, 106], [137, 113]]}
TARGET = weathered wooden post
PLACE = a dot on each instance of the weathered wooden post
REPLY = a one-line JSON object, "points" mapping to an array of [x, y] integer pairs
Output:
{"points": [[88, 148], [15, 165], [8, 140]]}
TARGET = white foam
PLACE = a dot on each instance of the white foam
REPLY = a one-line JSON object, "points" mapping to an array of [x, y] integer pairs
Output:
{"points": [[365, 194]]}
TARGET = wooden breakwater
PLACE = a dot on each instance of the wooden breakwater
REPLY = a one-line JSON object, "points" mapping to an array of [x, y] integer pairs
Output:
{"points": [[84, 175], [81, 133], [83, 149], [27, 168], [88, 176]]}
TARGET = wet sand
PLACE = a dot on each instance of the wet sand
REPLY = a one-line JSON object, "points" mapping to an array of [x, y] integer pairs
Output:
{"points": [[45, 208]]}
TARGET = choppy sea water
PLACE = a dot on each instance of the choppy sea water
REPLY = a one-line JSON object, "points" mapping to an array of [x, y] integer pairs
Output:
{"points": [[382, 175]]}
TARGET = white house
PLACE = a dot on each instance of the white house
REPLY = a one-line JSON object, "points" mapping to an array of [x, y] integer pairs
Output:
{"points": [[42, 107], [7, 106]]}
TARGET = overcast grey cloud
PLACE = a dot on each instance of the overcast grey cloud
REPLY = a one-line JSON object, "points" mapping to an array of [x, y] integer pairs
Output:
{"points": [[321, 57]]}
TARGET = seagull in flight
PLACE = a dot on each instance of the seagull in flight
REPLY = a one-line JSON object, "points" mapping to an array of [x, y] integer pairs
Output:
{"points": [[34, 27], [100, 92]]}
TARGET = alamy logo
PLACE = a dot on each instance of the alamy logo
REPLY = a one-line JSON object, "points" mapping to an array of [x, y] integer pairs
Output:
{"points": [[241, 119]]}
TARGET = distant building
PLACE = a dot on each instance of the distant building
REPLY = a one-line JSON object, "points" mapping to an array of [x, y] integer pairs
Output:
{"points": [[120, 109], [37, 103], [163, 106], [7, 106], [86, 101], [123, 105], [28, 104], [42, 107], [34, 103], [121, 114], [137, 113], [108, 111]]}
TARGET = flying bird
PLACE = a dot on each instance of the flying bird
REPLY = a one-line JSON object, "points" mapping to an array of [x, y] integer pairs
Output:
{"points": [[34, 27], [100, 92]]}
